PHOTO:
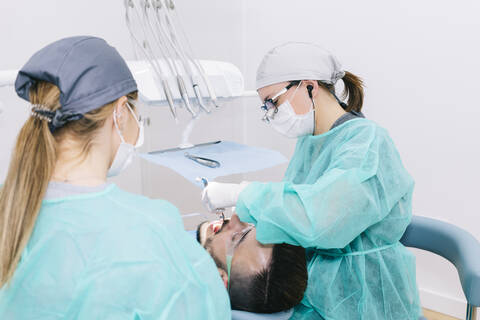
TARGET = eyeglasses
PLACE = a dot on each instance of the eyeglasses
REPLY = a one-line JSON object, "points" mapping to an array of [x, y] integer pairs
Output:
{"points": [[231, 246], [232, 243], [270, 105]]}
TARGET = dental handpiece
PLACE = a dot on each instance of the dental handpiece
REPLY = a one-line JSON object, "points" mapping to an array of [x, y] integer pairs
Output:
{"points": [[184, 95], [202, 105], [168, 95]]}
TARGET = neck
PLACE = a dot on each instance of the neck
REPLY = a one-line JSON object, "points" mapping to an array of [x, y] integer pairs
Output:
{"points": [[327, 111], [91, 170]]}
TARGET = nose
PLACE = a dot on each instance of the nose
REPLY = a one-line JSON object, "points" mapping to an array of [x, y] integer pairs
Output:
{"points": [[235, 223]]}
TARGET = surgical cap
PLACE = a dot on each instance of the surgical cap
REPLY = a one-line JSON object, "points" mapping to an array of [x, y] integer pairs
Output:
{"points": [[89, 73], [298, 61]]}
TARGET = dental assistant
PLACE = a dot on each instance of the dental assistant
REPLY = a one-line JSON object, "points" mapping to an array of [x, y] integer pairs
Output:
{"points": [[346, 196], [73, 246]]}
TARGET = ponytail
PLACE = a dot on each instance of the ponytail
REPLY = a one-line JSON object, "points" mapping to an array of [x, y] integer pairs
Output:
{"points": [[30, 169], [354, 91]]}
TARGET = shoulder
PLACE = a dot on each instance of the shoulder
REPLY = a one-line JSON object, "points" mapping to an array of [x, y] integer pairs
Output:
{"points": [[363, 132], [358, 127], [366, 144]]}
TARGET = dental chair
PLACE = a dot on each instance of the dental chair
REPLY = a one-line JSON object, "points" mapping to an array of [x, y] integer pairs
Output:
{"points": [[442, 238]]}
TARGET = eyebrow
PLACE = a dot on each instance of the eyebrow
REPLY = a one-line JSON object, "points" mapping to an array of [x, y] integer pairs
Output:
{"points": [[243, 238]]}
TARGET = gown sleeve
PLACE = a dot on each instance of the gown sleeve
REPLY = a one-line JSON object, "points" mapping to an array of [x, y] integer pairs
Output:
{"points": [[361, 184]]}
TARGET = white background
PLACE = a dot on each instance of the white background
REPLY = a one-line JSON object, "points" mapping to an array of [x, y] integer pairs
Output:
{"points": [[419, 60]]}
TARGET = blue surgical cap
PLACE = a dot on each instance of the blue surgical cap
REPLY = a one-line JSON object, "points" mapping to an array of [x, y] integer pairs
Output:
{"points": [[88, 71]]}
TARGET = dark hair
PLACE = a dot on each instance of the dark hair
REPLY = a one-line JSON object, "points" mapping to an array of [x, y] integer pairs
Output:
{"points": [[353, 90], [279, 287]]}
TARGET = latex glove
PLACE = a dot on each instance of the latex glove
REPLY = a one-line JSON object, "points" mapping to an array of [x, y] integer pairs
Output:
{"points": [[218, 195]]}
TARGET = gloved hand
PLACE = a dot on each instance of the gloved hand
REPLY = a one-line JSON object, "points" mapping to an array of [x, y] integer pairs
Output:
{"points": [[218, 195]]}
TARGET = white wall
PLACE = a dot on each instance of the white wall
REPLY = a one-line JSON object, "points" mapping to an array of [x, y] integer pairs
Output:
{"points": [[419, 60]]}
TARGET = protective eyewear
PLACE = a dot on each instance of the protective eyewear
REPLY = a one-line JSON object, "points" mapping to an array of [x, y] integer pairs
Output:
{"points": [[270, 105], [237, 238]]}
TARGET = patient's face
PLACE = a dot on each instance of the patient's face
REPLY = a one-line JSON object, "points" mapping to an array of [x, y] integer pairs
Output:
{"points": [[250, 256]]}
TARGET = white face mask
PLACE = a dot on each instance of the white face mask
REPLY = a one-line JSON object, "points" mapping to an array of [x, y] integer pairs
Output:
{"points": [[293, 125], [290, 124], [125, 151]]}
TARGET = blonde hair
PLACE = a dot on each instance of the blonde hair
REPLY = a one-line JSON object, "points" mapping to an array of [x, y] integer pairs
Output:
{"points": [[31, 168]]}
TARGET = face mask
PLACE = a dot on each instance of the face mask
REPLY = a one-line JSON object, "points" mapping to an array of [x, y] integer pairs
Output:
{"points": [[126, 151], [290, 124]]}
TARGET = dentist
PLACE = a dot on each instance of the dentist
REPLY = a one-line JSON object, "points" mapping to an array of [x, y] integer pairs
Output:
{"points": [[346, 196]]}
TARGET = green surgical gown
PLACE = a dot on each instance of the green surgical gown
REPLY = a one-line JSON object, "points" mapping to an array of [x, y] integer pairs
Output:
{"points": [[347, 198], [113, 255]]}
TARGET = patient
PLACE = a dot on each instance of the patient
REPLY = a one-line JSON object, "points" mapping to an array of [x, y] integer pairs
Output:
{"points": [[263, 278]]}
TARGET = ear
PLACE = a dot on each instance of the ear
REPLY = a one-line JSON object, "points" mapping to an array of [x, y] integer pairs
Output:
{"points": [[120, 111], [224, 276], [312, 86]]}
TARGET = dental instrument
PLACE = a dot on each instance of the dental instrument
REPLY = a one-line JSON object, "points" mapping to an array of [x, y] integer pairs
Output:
{"points": [[174, 34], [153, 30], [162, 49], [157, 71], [203, 161], [177, 49], [185, 147]]}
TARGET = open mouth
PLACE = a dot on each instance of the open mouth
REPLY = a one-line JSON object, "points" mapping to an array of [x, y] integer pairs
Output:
{"points": [[208, 229], [215, 226]]}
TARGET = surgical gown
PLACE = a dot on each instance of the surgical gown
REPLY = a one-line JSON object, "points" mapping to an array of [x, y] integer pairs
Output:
{"points": [[346, 197], [113, 255]]}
